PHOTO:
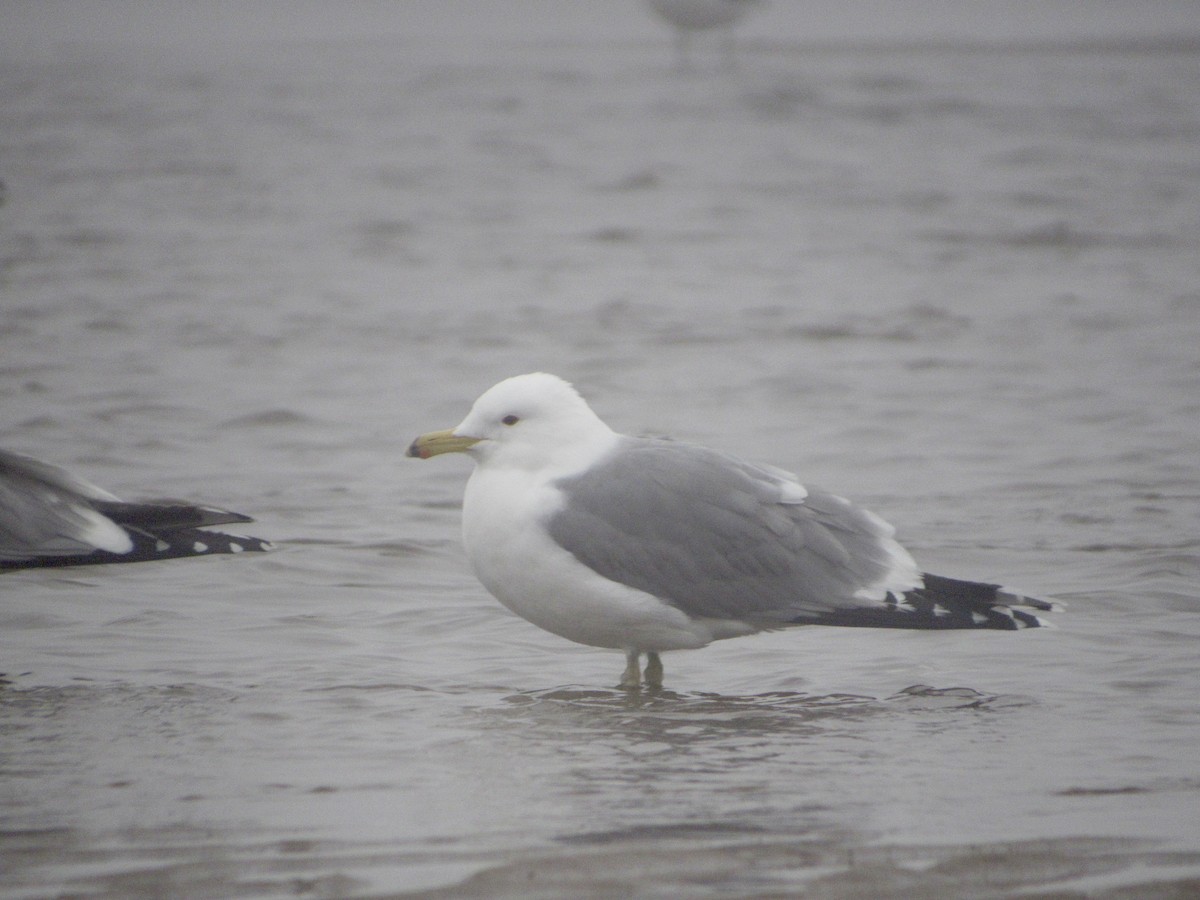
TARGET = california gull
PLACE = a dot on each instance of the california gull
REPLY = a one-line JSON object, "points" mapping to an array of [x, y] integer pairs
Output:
{"points": [[50, 517], [647, 545]]}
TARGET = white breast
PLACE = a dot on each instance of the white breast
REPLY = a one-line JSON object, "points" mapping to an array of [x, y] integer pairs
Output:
{"points": [[516, 560]]}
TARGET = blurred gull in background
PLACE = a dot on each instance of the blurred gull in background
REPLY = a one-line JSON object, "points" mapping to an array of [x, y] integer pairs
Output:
{"points": [[689, 16]]}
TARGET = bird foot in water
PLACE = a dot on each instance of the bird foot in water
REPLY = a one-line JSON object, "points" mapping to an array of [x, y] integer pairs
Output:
{"points": [[631, 678]]}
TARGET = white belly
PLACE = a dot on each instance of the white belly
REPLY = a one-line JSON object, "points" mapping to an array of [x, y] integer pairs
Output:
{"points": [[516, 560]]}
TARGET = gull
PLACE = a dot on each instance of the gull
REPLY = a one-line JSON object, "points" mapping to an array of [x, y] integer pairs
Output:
{"points": [[690, 16], [51, 517], [647, 545]]}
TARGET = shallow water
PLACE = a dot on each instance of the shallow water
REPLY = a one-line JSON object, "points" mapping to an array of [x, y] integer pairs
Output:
{"points": [[958, 285]]}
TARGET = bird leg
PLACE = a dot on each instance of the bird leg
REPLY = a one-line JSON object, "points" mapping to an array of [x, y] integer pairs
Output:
{"points": [[654, 670], [632, 676]]}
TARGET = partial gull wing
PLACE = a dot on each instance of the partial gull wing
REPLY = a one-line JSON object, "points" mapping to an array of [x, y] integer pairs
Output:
{"points": [[50, 517]]}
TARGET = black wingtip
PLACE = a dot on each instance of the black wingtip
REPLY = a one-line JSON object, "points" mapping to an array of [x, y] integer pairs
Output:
{"points": [[947, 603], [1011, 598], [159, 516], [979, 604]]}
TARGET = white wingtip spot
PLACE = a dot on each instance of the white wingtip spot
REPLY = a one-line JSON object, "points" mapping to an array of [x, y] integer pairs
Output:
{"points": [[199, 547], [102, 532], [792, 492], [161, 546]]}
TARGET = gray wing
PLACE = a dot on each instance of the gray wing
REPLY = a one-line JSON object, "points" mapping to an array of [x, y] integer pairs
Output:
{"points": [[719, 537], [47, 511]]}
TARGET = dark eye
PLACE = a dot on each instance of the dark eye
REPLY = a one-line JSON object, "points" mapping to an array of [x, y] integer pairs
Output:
{"points": [[511, 420]]}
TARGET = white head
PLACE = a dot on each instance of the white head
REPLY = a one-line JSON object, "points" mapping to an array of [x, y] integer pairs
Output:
{"points": [[535, 421]]}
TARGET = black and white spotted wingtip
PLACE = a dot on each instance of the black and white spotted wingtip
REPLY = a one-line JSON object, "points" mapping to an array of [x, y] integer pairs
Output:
{"points": [[944, 603], [51, 518], [151, 546], [1007, 599]]}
